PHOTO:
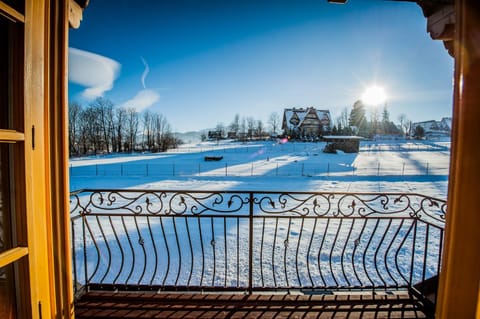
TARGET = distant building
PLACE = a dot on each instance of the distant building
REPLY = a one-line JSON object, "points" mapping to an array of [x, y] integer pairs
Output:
{"points": [[215, 135], [347, 144], [433, 129], [306, 123]]}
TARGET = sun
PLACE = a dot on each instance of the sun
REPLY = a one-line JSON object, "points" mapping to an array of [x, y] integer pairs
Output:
{"points": [[374, 95]]}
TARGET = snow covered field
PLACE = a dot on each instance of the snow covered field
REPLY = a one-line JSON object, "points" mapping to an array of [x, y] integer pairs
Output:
{"points": [[381, 166], [213, 251]]}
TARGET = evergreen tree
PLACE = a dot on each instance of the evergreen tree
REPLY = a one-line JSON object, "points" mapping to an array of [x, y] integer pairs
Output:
{"points": [[386, 127], [419, 132], [334, 130], [358, 119]]}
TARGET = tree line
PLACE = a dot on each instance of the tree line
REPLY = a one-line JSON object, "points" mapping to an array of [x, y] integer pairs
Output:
{"points": [[102, 127], [246, 128], [356, 122]]}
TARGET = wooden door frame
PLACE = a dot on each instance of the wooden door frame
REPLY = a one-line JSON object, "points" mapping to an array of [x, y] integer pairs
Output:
{"points": [[56, 106], [460, 275]]}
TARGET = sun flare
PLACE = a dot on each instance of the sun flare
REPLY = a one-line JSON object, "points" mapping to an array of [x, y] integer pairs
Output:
{"points": [[374, 95]]}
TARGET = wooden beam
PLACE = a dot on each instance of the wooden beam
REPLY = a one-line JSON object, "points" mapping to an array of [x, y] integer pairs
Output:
{"points": [[10, 13], [440, 24], [11, 136], [75, 14], [57, 145], [12, 255]]}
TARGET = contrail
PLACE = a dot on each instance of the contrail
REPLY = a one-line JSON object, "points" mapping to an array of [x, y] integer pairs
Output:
{"points": [[145, 72]]}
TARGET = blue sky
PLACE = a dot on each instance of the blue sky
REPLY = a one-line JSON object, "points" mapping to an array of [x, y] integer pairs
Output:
{"points": [[200, 62]]}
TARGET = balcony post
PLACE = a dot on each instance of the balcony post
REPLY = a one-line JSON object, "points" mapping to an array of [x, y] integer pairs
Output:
{"points": [[250, 244]]}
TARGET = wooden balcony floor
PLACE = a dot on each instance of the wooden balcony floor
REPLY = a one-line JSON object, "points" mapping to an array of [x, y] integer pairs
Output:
{"points": [[187, 305]]}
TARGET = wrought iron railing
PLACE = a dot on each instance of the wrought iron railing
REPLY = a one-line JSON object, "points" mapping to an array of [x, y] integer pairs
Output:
{"points": [[233, 240]]}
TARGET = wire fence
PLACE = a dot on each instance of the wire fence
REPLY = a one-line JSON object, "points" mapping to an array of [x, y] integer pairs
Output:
{"points": [[370, 146], [267, 159], [260, 168]]}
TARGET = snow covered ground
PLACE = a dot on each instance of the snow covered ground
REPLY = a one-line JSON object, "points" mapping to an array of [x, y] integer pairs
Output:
{"points": [[213, 251], [381, 166]]}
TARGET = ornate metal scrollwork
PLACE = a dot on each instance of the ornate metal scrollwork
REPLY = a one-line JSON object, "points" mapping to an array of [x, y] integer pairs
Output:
{"points": [[298, 239], [353, 205]]}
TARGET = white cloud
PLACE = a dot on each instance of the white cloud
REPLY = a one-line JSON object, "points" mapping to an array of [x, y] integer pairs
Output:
{"points": [[145, 72], [142, 100], [95, 72]]}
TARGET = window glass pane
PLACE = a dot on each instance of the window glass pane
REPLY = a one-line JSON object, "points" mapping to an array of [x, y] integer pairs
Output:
{"points": [[11, 74], [5, 211], [14, 291], [7, 293]]}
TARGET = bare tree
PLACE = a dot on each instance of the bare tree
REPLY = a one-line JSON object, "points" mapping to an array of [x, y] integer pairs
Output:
{"points": [[250, 126], [92, 130], [167, 138], [120, 117], [104, 110], [132, 128], [274, 122], [343, 119], [235, 125], [402, 118], [408, 128], [259, 132], [243, 128], [161, 128], [221, 129], [74, 127], [374, 119], [110, 121], [147, 140], [101, 127]]}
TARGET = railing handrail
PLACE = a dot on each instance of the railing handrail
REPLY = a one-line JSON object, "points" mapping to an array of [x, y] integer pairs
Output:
{"points": [[152, 190], [383, 196]]}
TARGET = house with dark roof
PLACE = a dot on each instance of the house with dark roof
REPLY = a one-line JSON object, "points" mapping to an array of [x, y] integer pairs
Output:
{"points": [[432, 128], [306, 122]]}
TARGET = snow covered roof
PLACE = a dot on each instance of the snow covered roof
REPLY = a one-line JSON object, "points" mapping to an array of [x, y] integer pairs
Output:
{"points": [[432, 126], [301, 114], [447, 121]]}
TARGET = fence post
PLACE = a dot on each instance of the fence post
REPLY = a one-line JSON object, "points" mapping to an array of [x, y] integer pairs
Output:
{"points": [[427, 168], [276, 171], [403, 169], [353, 170], [226, 169], [378, 169]]}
